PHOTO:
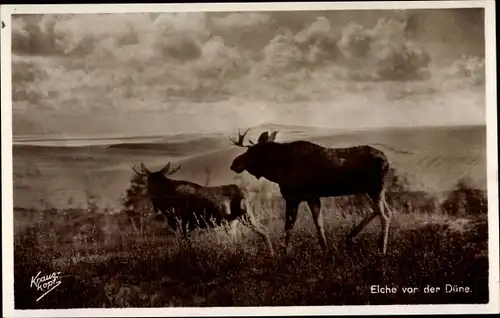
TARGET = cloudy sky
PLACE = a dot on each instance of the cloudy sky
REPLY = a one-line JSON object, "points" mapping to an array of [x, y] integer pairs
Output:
{"points": [[160, 73]]}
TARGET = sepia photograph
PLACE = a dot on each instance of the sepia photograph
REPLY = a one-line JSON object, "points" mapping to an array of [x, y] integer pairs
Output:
{"points": [[273, 156]]}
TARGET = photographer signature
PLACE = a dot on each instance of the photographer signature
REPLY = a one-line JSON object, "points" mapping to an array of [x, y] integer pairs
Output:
{"points": [[45, 283]]}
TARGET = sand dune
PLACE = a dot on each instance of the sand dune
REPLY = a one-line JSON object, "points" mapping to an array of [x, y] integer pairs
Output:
{"points": [[432, 158], [177, 148]]}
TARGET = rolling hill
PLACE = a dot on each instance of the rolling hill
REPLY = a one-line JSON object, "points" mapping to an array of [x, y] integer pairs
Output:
{"points": [[433, 159]]}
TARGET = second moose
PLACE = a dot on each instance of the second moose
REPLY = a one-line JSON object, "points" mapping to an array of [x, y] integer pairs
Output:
{"points": [[195, 206]]}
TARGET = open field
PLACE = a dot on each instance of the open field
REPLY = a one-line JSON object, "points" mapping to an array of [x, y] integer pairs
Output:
{"points": [[67, 219], [432, 158], [216, 270]]}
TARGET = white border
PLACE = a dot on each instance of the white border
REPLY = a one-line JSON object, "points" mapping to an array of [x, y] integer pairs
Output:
{"points": [[492, 161]]}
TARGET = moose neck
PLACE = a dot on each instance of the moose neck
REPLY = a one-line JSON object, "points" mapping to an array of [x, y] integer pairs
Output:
{"points": [[274, 166], [160, 183]]}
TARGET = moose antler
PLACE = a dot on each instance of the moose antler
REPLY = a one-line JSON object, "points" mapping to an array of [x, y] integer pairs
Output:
{"points": [[137, 172], [241, 137], [174, 170], [143, 168], [166, 170]]}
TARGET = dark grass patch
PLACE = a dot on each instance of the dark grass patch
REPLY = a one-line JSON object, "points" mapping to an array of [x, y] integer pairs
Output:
{"points": [[207, 273], [107, 262]]}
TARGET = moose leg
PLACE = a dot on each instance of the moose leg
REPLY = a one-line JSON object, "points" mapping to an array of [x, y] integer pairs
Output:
{"points": [[151, 216], [226, 209], [185, 229], [251, 222], [378, 204], [385, 217], [365, 221], [233, 228], [173, 223], [259, 229], [291, 216], [361, 225], [315, 206]]}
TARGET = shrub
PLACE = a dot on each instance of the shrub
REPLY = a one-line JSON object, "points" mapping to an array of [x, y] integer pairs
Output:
{"points": [[136, 204], [465, 199], [401, 196]]}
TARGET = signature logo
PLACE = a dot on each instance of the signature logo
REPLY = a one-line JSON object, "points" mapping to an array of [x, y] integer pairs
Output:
{"points": [[45, 283]]}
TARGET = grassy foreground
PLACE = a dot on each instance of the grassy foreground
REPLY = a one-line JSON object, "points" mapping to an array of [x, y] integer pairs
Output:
{"points": [[104, 263]]}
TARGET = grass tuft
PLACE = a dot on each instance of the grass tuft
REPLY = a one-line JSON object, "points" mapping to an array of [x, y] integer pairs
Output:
{"points": [[130, 260]]}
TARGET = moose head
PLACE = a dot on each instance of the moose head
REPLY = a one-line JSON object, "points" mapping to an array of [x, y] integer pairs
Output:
{"points": [[156, 177], [255, 160]]}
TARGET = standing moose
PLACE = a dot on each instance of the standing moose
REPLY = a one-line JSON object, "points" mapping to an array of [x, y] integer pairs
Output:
{"points": [[195, 206], [306, 171]]}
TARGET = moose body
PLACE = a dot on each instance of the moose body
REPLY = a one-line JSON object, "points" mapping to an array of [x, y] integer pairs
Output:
{"points": [[306, 171], [193, 206]]}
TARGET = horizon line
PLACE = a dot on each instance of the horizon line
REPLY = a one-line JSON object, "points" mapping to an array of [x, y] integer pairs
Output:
{"points": [[53, 137]]}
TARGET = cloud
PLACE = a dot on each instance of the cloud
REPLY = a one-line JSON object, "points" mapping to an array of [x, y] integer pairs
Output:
{"points": [[242, 20], [179, 47], [472, 68], [394, 56], [466, 73], [35, 35], [27, 79], [378, 53], [74, 34], [282, 55], [91, 63], [383, 52], [185, 22], [220, 61], [355, 41], [311, 47], [180, 35], [26, 71]]}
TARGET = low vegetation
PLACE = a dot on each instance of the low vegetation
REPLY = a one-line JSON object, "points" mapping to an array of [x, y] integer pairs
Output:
{"points": [[132, 259]]}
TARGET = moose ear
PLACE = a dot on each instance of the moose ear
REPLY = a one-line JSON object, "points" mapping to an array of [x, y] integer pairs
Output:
{"points": [[273, 136], [264, 137]]}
